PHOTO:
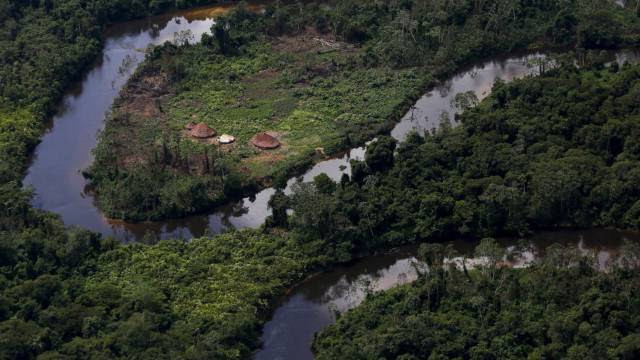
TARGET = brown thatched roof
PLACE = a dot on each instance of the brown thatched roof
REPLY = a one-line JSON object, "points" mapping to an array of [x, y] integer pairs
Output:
{"points": [[265, 141], [191, 125], [202, 131]]}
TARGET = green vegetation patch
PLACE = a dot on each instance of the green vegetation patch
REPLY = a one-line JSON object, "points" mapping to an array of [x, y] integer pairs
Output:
{"points": [[310, 101], [19, 132], [559, 308], [89, 298], [205, 298], [320, 77], [550, 151]]}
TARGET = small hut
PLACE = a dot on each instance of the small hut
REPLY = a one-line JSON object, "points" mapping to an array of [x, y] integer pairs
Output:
{"points": [[191, 125], [265, 141], [202, 131]]}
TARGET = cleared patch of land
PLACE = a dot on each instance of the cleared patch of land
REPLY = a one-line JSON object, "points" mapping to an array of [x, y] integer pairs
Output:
{"points": [[310, 91]]}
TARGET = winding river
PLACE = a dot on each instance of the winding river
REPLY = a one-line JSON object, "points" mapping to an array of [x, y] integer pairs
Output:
{"points": [[55, 175], [312, 305], [65, 150]]}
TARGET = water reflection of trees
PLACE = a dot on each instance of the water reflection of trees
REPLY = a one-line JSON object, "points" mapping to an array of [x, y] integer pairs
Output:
{"points": [[350, 291], [235, 209], [559, 249]]}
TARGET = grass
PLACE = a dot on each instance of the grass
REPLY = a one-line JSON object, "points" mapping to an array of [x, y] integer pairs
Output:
{"points": [[275, 91], [310, 100]]}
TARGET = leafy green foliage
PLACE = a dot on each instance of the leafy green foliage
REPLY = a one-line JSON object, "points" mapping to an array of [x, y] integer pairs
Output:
{"points": [[330, 76], [70, 294], [556, 150], [204, 299], [379, 155], [551, 310], [278, 203]]}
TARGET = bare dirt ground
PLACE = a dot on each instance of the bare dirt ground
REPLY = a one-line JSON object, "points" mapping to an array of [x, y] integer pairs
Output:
{"points": [[310, 40]]}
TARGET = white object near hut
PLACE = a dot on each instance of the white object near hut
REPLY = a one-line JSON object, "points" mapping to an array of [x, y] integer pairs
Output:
{"points": [[226, 139]]}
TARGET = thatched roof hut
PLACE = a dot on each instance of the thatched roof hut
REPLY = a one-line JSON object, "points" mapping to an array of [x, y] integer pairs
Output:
{"points": [[191, 125], [265, 141], [202, 131]]}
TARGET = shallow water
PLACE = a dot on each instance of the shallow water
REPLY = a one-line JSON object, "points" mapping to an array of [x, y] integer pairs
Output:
{"points": [[312, 305]]}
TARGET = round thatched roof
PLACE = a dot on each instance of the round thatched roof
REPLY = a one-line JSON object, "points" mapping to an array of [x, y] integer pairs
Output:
{"points": [[191, 125], [202, 131], [265, 141]]}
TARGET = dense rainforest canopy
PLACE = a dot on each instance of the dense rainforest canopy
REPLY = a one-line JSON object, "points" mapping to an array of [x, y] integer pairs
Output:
{"points": [[559, 308], [68, 293], [44, 46], [555, 150]]}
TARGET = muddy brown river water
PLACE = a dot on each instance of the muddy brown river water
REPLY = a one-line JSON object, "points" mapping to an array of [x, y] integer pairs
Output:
{"points": [[55, 175]]}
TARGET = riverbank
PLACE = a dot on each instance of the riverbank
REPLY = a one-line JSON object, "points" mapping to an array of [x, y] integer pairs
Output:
{"points": [[146, 144], [560, 307], [508, 168], [302, 83], [314, 304], [37, 70]]}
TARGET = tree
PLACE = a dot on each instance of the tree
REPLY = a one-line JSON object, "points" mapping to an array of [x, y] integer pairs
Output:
{"points": [[20, 339], [379, 155], [464, 101], [324, 184], [278, 203], [491, 254], [220, 30]]}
